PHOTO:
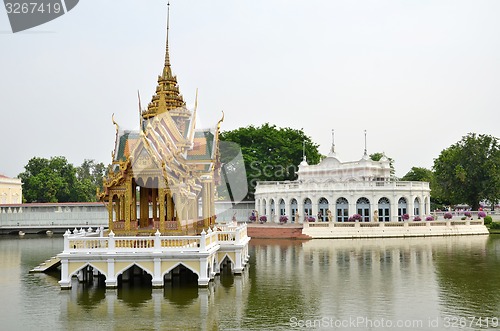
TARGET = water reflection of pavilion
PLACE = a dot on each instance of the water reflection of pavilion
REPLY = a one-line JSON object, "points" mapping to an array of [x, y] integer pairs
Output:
{"points": [[159, 309]]}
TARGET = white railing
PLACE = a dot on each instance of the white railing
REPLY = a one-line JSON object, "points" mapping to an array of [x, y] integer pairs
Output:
{"points": [[82, 241], [267, 187], [392, 224]]}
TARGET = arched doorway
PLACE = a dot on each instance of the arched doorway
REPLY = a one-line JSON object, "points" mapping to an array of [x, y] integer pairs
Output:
{"points": [[293, 210], [384, 207], [363, 208], [322, 209], [307, 208], [272, 212], [416, 207], [402, 208], [282, 207], [342, 210]]}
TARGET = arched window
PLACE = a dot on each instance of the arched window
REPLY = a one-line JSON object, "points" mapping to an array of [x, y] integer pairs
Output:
{"points": [[282, 207], [307, 207], [264, 206], [293, 210], [322, 210], [342, 210], [384, 207], [272, 207], [416, 207], [363, 208], [402, 208]]}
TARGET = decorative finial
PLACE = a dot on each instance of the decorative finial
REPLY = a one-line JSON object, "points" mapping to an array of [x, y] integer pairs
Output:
{"points": [[304, 151], [365, 144], [196, 100], [332, 149], [114, 122], [167, 57], [140, 110], [221, 120]]}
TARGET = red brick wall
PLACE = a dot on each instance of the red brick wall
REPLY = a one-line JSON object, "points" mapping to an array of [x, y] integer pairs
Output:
{"points": [[278, 232]]}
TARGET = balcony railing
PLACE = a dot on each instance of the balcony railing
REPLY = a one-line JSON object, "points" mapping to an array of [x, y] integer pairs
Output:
{"points": [[391, 224], [273, 186], [87, 241]]}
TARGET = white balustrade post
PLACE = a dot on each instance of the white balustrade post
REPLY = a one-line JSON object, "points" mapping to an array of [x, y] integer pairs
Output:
{"points": [[111, 245], [203, 241], [157, 243], [209, 233], [238, 236], [66, 241]]}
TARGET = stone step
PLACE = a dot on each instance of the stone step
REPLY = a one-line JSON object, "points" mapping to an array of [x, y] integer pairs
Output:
{"points": [[44, 266]]}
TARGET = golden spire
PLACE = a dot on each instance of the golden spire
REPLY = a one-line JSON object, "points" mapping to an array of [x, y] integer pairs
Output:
{"points": [[167, 96], [167, 55]]}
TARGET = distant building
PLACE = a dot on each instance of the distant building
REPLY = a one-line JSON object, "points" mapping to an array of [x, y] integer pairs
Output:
{"points": [[333, 191], [11, 191]]}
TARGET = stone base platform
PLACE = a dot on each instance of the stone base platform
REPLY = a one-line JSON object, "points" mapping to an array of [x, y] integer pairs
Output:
{"points": [[394, 229]]}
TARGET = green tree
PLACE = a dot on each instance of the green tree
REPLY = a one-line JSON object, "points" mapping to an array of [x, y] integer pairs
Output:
{"points": [[56, 180], [89, 177], [270, 153], [48, 180], [469, 171], [417, 174]]}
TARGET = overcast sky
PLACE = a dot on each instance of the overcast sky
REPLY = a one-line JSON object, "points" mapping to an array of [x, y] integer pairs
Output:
{"points": [[417, 75]]}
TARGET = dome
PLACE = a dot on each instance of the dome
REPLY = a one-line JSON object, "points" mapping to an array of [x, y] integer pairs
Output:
{"points": [[330, 161]]}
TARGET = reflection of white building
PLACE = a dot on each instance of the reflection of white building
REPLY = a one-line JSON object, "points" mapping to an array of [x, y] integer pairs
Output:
{"points": [[10, 190], [334, 190]]}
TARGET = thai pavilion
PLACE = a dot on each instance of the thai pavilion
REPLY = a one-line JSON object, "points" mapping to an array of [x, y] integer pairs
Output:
{"points": [[160, 172], [333, 191], [160, 193]]}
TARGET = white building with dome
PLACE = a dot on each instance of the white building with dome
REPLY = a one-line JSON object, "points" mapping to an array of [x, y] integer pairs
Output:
{"points": [[333, 191]]}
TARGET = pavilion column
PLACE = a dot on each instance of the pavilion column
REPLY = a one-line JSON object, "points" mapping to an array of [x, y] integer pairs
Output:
{"points": [[133, 209], [266, 208], [110, 213], [299, 215], [211, 195], [411, 207], [121, 201], [204, 202], [373, 207], [394, 209], [129, 188], [352, 206], [154, 199], [162, 209], [314, 208], [144, 207], [170, 207]]}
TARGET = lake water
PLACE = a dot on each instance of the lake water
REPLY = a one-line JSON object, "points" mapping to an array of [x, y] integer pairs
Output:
{"points": [[375, 284]]}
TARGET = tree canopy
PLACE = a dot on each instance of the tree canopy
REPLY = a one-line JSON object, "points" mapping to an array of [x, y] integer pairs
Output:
{"points": [[270, 153], [469, 171], [417, 174], [56, 180]]}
